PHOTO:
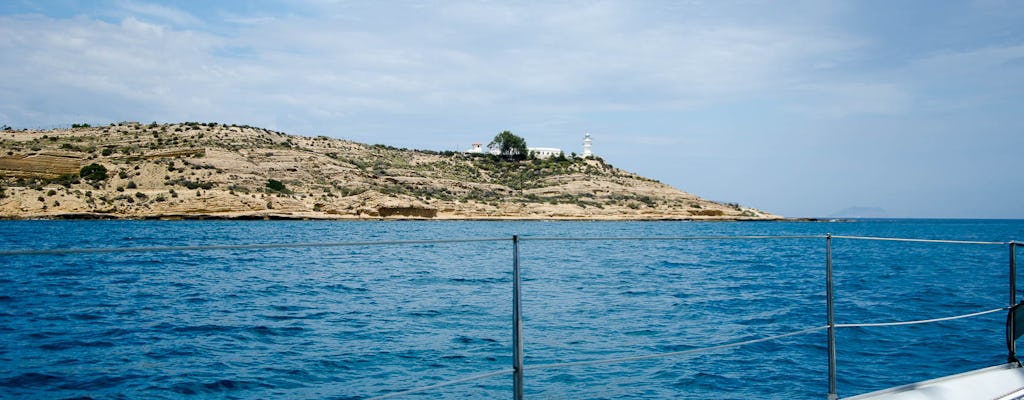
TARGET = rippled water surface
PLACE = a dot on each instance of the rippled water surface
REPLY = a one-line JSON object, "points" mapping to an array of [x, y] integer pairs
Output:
{"points": [[352, 322]]}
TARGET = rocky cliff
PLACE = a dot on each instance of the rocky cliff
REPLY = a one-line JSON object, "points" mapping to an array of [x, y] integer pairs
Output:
{"points": [[210, 170]]}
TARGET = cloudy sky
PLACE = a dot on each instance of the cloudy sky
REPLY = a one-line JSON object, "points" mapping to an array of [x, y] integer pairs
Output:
{"points": [[802, 108]]}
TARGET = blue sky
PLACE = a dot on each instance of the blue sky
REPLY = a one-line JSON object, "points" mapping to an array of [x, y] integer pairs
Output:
{"points": [[801, 108]]}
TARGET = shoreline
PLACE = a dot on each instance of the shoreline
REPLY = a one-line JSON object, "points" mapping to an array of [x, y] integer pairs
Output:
{"points": [[309, 217]]}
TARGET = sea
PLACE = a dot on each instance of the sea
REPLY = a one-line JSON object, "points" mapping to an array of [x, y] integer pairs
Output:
{"points": [[357, 310]]}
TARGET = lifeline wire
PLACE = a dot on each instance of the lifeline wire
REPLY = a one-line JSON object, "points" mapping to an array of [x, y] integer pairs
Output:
{"points": [[237, 246], [672, 354], [663, 238], [407, 242], [678, 353], [886, 239], [922, 321]]}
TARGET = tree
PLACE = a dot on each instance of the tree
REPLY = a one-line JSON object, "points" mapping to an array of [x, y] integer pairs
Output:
{"points": [[509, 145], [93, 172], [277, 186]]}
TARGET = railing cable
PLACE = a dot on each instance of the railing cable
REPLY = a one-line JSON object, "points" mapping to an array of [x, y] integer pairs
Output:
{"points": [[891, 239], [18, 252], [922, 321], [682, 352], [238, 246], [660, 238], [671, 354]]}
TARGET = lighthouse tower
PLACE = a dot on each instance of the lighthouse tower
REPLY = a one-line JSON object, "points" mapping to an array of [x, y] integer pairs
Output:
{"points": [[586, 146]]}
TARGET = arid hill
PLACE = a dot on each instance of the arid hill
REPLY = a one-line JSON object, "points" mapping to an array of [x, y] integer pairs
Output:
{"points": [[210, 170]]}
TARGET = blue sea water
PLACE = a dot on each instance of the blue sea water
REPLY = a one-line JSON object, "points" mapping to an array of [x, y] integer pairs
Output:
{"points": [[354, 322]]}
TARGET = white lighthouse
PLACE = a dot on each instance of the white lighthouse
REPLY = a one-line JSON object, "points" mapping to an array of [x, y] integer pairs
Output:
{"points": [[586, 146]]}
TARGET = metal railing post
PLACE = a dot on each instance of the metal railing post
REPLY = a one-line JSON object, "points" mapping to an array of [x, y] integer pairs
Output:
{"points": [[1011, 324], [1013, 273], [829, 296], [517, 325]]}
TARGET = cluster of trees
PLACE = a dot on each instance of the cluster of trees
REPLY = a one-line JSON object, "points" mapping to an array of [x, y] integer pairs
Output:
{"points": [[513, 147], [277, 186], [509, 145], [93, 172]]}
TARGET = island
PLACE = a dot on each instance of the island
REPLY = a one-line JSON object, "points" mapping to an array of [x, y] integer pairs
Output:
{"points": [[193, 170]]}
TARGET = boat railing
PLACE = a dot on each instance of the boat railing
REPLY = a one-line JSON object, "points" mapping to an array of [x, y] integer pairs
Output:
{"points": [[518, 366]]}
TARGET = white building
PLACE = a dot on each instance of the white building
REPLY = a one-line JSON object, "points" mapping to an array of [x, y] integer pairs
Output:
{"points": [[539, 152], [544, 152], [478, 148]]}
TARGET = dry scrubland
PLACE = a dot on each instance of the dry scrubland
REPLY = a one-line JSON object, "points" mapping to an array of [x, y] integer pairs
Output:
{"points": [[210, 170]]}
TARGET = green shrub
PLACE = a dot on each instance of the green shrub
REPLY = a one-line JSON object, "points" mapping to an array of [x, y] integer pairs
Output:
{"points": [[190, 184], [277, 186], [93, 172], [708, 213]]}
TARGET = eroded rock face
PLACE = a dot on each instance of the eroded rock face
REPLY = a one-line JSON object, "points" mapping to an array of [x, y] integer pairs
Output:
{"points": [[407, 212], [47, 165], [216, 171]]}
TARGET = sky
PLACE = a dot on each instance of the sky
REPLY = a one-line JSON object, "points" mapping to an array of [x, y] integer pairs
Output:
{"points": [[800, 108]]}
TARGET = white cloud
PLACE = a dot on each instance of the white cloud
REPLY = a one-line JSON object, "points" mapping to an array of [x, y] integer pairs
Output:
{"points": [[65, 65], [159, 13], [536, 61], [590, 56], [568, 57]]}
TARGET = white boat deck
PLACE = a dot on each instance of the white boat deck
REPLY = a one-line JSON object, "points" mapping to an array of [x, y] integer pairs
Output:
{"points": [[1001, 382]]}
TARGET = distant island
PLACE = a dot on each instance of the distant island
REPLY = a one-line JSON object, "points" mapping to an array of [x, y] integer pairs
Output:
{"points": [[861, 212], [194, 170]]}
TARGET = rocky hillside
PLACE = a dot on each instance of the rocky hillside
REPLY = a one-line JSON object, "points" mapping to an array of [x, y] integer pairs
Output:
{"points": [[197, 170]]}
